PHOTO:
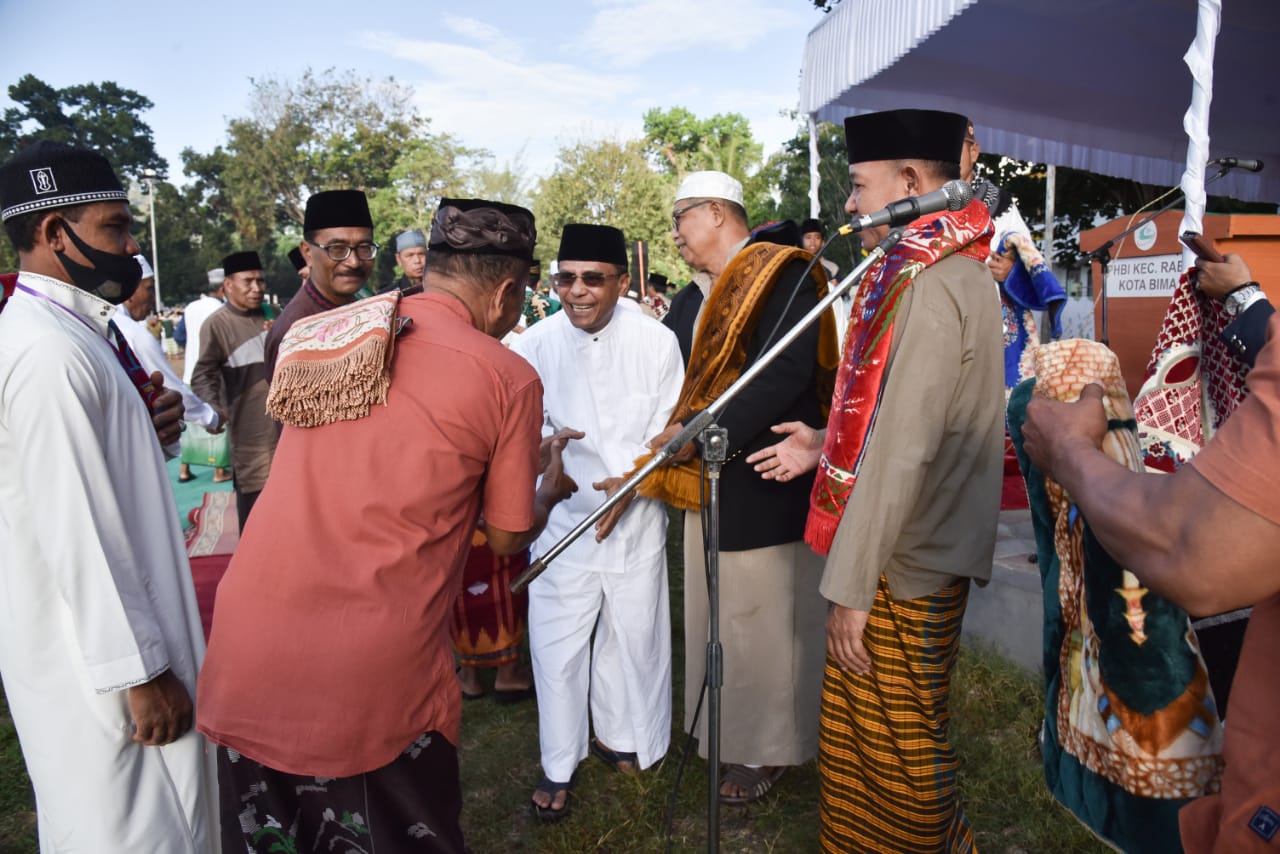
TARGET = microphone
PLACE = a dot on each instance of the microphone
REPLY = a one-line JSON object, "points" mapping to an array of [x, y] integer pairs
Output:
{"points": [[1235, 163], [954, 196]]}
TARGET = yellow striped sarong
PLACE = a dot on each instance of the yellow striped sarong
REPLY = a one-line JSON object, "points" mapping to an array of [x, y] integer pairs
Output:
{"points": [[888, 770]]}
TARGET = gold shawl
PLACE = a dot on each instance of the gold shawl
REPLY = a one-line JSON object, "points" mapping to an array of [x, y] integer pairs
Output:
{"points": [[719, 354]]}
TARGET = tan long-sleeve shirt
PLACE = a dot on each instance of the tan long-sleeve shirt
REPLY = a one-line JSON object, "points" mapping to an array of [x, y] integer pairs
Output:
{"points": [[927, 501]]}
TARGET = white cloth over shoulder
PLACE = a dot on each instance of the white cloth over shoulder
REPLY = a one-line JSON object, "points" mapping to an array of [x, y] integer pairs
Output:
{"points": [[96, 589], [149, 352], [194, 316]]}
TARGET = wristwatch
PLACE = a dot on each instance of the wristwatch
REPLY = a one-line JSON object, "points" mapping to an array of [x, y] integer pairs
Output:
{"points": [[1241, 298]]}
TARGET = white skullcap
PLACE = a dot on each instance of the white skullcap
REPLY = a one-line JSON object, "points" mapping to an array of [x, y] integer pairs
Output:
{"points": [[147, 272], [216, 277], [710, 185]]}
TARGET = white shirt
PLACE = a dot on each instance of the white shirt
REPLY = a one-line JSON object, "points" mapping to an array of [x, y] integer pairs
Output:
{"points": [[195, 315], [147, 348], [619, 387]]}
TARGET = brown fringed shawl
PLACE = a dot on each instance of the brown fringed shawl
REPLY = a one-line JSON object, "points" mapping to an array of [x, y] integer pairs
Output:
{"points": [[334, 365], [719, 353]]}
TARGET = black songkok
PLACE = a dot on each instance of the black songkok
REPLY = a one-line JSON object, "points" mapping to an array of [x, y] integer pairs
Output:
{"points": [[47, 175], [905, 135], [481, 227], [296, 259], [583, 242], [337, 209], [239, 262], [809, 226], [659, 282]]}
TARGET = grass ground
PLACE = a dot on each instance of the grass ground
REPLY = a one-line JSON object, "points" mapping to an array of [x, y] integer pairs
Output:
{"points": [[996, 717]]}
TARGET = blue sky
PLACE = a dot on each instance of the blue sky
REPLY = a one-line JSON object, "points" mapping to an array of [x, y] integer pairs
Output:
{"points": [[517, 78]]}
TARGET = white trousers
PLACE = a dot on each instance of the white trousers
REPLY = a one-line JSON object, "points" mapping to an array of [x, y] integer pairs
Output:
{"points": [[625, 678]]}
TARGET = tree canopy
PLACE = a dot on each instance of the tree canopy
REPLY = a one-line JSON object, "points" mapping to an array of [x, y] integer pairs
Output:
{"points": [[609, 183]]}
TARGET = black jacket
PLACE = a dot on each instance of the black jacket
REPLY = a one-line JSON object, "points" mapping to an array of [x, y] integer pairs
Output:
{"points": [[754, 512]]}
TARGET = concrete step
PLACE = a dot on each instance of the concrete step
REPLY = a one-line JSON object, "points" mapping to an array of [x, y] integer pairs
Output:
{"points": [[1008, 614]]}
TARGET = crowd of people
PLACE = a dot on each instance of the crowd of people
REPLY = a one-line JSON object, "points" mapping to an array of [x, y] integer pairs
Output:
{"points": [[396, 455]]}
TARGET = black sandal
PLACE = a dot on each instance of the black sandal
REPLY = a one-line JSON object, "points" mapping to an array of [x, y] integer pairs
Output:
{"points": [[548, 786], [614, 758]]}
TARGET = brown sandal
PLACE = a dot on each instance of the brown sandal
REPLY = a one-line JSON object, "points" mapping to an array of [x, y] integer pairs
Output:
{"points": [[756, 781]]}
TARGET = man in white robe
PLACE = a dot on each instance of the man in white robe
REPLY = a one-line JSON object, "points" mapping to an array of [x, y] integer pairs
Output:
{"points": [[131, 317], [101, 638], [614, 375]]}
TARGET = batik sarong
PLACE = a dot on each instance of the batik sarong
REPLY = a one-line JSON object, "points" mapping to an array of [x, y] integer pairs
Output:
{"points": [[888, 769], [1131, 728], [488, 619], [410, 806]]}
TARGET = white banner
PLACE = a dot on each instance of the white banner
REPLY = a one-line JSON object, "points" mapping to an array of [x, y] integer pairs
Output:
{"points": [[1149, 276]]}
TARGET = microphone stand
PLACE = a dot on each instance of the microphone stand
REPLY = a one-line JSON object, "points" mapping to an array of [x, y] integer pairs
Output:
{"points": [[1103, 253], [715, 444]]}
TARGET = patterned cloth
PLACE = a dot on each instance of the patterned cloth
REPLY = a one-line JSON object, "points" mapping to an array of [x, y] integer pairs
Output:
{"points": [[888, 769], [1192, 383], [860, 380], [488, 619], [1131, 727], [411, 806], [334, 365]]}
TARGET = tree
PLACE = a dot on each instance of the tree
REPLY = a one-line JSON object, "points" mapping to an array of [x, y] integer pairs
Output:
{"points": [[191, 239], [102, 116], [609, 183], [781, 189], [328, 131], [678, 142]]}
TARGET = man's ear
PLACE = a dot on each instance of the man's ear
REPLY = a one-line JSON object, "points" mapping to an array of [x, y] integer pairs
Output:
{"points": [[911, 179], [624, 284], [50, 231]]}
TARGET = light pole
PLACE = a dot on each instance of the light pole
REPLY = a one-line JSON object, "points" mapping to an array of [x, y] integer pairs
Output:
{"points": [[149, 176]]}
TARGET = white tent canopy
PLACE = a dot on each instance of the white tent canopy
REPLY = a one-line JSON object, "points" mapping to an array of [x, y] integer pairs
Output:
{"points": [[1087, 84]]}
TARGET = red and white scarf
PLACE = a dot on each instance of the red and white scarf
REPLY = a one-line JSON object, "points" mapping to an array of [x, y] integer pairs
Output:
{"points": [[860, 380]]}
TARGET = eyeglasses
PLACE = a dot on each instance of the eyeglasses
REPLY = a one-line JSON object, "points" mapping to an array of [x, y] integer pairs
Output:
{"points": [[675, 215], [591, 279], [342, 251]]}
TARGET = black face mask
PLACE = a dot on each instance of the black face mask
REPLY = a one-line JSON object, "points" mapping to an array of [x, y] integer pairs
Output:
{"points": [[113, 278]]}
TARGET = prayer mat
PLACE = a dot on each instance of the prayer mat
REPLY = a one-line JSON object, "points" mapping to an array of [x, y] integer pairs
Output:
{"points": [[488, 619], [1131, 730], [333, 366], [211, 540], [1193, 381], [887, 767], [410, 806]]}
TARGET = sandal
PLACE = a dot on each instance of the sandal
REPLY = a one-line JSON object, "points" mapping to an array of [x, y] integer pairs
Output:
{"points": [[615, 759], [756, 781], [549, 787], [187, 479]]}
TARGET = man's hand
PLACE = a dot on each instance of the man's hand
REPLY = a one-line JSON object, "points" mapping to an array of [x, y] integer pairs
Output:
{"points": [[1218, 280], [844, 639], [166, 411], [608, 521], [161, 710], [556, 486], [793, 456], [1001, 265], [658, 442], [1052, 428], [557, 441]]}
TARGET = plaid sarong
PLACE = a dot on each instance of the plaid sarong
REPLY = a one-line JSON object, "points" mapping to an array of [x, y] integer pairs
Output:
{"points": [[888, 770]]}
